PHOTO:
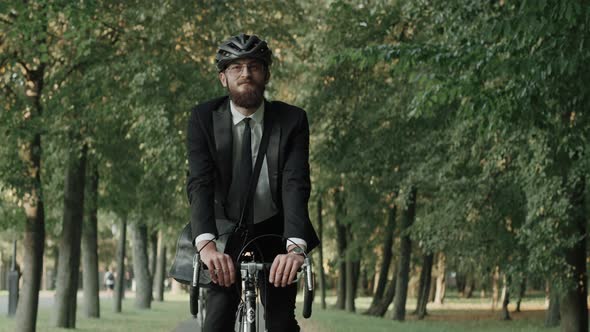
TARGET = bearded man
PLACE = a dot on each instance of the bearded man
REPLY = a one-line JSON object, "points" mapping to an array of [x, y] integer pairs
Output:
{"points": [[224, 138]]}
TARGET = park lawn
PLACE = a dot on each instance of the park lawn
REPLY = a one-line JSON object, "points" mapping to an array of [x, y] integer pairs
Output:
{"points": [[163, 316], [444, 321], [458, 314]]}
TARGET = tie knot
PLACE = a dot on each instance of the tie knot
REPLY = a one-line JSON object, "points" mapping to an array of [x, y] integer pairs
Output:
{"points": [[247, 121]]}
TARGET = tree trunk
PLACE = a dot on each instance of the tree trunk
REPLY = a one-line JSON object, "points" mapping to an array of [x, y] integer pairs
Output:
{"points": [[469, 286], [160, 274], [352, 279], [364, 281], [55, 255], [3, 271], [573, 305], [385, 262], [370, 282], [321, 253], [33, 243], [552, 316], [521, 292], [506, 298], [403, 276], [441, 284], [432, 292], [424, 288], [153, 256], [120, 277], [495, 288], [341, 247], [69, 249], [352, 272], [380, 309], [143, 282], [460, 280], [90, 247], [34, 237]]}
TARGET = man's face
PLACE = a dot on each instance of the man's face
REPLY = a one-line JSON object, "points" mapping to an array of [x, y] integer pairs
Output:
{"points": [[245, 81]]}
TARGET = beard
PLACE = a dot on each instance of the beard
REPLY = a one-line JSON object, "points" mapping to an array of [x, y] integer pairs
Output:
{"points": [[251, 97]]}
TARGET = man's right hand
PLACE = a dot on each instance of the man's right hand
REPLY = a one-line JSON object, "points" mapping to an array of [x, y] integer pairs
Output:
{"points": [[221, 267]]}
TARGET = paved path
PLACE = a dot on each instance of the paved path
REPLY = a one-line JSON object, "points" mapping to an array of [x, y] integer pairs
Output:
{"points": [[46, 299], [192, 325]]}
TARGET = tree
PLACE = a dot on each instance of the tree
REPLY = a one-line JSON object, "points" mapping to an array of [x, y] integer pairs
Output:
{"points": [[384, 267], [403, 273], [120, 275], [424, 286], [525, 107], [69, 248], [143, 297], [160, 272], [24, 61], [90, 244]]}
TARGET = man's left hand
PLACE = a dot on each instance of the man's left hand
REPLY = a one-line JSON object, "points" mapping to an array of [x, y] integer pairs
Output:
{"points": [[284, 269]]}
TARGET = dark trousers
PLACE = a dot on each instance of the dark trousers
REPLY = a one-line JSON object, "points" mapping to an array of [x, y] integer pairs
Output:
{"points": [[279, 302]]}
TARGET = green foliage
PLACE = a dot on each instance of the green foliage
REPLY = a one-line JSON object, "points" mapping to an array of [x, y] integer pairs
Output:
{"points": [[477, 103], [480, 105], [505, 74]]}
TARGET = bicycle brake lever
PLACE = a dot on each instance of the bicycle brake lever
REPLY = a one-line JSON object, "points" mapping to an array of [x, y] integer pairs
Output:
{"points": [[196, 269], [308, 273]]}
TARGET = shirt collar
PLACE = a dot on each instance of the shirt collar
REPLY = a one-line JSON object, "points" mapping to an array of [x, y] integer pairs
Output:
{"points": [[237, 117]]}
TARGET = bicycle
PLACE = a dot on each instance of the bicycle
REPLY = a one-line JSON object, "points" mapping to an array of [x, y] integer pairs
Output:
{"points": [[247, 309]]}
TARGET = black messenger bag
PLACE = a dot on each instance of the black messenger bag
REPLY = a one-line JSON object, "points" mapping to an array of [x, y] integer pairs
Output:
{"points": [[182, 267]]}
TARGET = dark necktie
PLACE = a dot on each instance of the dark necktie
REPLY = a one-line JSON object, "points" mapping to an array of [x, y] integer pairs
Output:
{"points": [[245, 171]]}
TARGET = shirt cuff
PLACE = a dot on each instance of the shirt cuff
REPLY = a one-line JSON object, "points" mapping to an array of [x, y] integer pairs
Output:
{"points": [[297, 241], [203, 237]]}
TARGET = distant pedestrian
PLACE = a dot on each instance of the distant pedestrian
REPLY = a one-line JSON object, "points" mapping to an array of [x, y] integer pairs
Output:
{"points": [[109, 281]]}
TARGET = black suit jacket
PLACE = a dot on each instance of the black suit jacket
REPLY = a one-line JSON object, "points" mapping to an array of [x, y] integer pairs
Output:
{"points": [[209, 143]]}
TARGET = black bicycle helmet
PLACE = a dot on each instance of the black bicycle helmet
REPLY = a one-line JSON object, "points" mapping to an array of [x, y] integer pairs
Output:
{"points": [[240, 47]]}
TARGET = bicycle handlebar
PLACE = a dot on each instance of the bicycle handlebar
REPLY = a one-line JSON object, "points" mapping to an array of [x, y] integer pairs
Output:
{"points": [[251, 268]]}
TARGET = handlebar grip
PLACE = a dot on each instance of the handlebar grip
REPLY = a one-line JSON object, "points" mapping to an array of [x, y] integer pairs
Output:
{"points": [[308, 289], [194, 289], [194, 301]]}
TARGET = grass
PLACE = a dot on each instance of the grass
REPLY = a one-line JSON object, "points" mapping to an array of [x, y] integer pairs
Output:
{"points": [[163, 316], [332, 320], [456, 315]]}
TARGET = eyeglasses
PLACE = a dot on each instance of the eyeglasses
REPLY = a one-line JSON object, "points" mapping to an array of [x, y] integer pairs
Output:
{"points": [[237, 69]]}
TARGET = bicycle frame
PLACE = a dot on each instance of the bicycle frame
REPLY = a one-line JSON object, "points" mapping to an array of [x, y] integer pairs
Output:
{"points": [[247, 309]]}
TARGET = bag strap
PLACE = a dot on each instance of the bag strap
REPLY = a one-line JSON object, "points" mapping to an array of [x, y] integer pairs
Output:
{"points": [[256, 171]]}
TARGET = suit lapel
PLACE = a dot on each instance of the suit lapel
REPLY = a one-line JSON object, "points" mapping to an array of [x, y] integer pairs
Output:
{"points": [[272, 153], [222, 130]]}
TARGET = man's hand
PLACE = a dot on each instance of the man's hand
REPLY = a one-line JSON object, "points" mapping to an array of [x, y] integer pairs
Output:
{"points": [[221, 267], [284, 269]]}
